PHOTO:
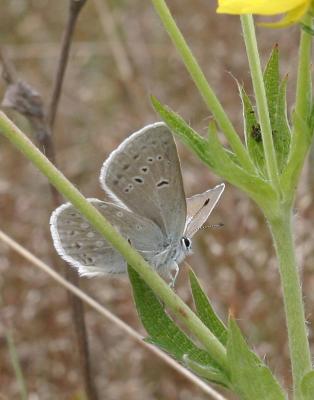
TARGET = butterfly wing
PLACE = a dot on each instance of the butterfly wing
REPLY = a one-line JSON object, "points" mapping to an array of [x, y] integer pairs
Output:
{"points": [[199, 207], [144, 174], [82, 246]]}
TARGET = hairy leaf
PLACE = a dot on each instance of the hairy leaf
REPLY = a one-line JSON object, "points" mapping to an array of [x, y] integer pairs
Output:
{"points": [[249, 376]]}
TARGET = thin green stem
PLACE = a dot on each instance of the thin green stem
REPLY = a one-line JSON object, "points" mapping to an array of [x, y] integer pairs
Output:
{"points": [[304, 80], [298, 342], [202, 84], [16, 366], [261, 100], [301, 135], [158, 285]]}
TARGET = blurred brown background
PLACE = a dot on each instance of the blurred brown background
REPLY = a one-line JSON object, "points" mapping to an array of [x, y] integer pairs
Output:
{"points": [[105, 98]]}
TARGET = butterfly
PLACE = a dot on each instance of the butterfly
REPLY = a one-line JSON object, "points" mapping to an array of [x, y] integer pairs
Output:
{"points": [[146, 204]]}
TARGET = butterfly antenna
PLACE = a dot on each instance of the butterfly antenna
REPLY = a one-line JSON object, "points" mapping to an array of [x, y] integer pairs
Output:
{"points": [[213, 226]]}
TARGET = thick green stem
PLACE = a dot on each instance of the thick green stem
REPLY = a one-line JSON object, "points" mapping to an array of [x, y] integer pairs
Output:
{"points": [[261, 100], [298, 342], [158, 285], [202, 84]]}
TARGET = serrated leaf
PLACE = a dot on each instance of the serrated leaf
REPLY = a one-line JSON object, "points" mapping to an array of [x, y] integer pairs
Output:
{"points": [[249, 376], [281, 129], [206, 312], [177, 124], [307, 386], [163, 332], [271, 81], [277, 106], [210, 151], [253, 135]]}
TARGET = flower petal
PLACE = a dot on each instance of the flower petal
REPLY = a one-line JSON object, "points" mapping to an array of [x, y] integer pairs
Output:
{"points": [[290, 18], [263, 7]]}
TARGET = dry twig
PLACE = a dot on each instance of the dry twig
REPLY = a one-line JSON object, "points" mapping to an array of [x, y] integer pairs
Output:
{"points": [[108, 315]]}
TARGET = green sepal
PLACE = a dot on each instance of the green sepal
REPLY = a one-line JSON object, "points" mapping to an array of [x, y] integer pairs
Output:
{"points": [[250, 377], [206, 312], [307, 386], [163, 332]]}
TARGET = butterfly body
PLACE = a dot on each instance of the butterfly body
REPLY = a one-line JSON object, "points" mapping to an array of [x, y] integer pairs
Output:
{"points": [[147, 206], [168, 260]]}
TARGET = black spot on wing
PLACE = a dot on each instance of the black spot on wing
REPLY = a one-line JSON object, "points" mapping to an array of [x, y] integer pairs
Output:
{"points": [[162, 183]]}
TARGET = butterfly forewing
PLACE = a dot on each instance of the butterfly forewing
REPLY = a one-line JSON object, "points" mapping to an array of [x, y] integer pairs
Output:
{"points": [[82, 246], [199, 207], [144, 174]]}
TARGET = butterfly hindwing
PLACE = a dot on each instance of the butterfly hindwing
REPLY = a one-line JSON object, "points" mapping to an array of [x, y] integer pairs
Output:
{"points": [[199, 208], [84, 247]]}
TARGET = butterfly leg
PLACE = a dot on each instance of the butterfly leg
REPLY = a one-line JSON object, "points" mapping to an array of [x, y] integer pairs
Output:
{"points": [[174, 271]]}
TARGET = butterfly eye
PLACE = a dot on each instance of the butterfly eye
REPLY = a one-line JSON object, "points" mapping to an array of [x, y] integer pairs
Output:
{"points": [[186, 243]]}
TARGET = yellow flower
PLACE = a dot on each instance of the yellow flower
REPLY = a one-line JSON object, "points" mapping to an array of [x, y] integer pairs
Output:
{"points": [[294, 10]]}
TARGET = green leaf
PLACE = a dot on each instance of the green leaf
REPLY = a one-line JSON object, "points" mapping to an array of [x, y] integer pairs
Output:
{"points": [[249, 376], [205, 372], [163, 332], [277, 106], [281, 128], [253, 135], [271, 81], [307, 386], [192, 139], [206, 312]]}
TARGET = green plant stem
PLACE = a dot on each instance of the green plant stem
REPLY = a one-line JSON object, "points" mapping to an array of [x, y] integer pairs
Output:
{"points": [[301, 135], [298, 342], [16, 366], [158, 285], [304, 80], [261, 100], [202, 84]]}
